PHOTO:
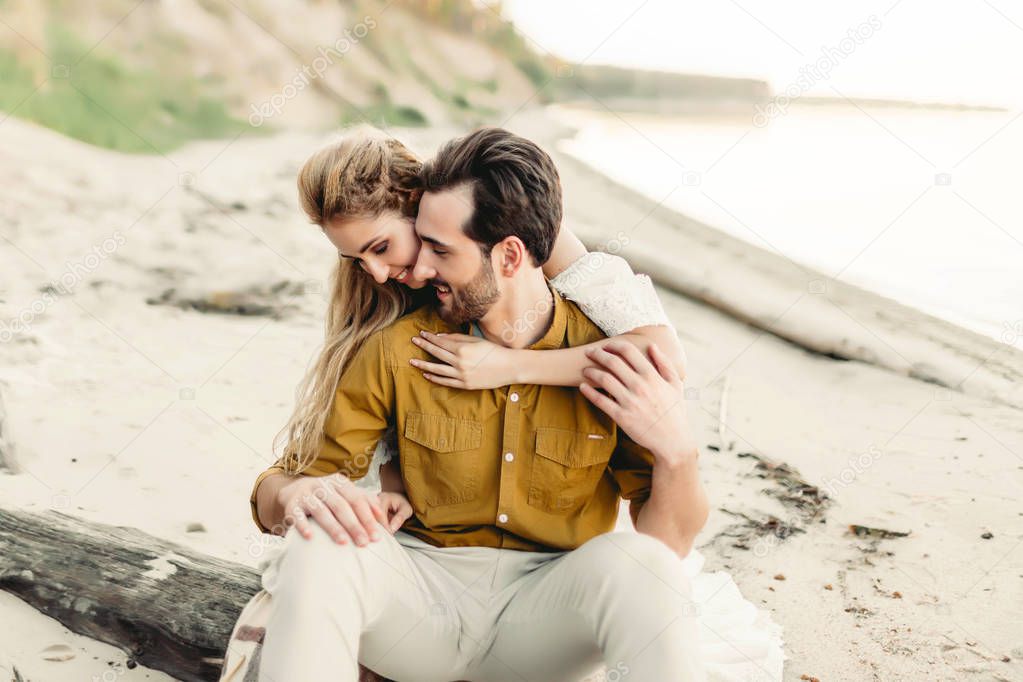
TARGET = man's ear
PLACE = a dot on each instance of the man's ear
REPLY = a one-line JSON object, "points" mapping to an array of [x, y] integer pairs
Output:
{"points": [[509, 256]]}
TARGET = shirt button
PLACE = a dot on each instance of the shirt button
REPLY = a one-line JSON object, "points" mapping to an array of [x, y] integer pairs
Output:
{"points": [[502, 518], [509, 456], [514, 397]]}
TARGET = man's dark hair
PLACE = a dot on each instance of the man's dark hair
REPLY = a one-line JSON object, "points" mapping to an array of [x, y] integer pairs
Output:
{"points": [[515, 188]]}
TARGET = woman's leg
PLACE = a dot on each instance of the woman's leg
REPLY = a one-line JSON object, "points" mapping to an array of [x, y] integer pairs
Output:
{"points": [[337, 605]]}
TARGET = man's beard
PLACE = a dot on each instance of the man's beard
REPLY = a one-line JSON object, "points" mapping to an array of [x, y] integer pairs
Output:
{"points": [[474, 300]]}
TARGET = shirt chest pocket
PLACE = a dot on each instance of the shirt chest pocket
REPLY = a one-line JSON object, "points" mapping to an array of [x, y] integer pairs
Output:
{"points": [[442, 458], [566, 468]]}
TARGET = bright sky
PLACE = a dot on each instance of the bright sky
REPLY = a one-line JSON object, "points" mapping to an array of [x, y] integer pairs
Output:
{"points": [[950, 51]]}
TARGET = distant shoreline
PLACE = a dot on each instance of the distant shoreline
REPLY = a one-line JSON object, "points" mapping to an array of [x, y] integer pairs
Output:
{"points": [[898, 103], [703, 106]]}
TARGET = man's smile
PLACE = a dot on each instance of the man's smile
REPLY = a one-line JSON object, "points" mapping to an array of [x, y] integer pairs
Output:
{"points": [[443, 290]]}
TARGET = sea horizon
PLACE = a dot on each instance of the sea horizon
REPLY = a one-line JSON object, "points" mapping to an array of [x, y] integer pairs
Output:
{"points": [[911, 203]]}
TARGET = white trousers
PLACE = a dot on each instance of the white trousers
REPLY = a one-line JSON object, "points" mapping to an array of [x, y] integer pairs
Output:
{"points": [[413, 612]]}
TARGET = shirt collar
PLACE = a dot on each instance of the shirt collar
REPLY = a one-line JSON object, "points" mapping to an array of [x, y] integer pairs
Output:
{"points": [[555, 335]]}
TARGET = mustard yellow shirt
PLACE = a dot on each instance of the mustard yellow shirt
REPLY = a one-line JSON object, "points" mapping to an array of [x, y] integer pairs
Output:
{"points": [[525, 467]]}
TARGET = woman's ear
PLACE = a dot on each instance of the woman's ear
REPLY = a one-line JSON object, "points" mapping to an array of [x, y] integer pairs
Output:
{"points": [[511, 254]]}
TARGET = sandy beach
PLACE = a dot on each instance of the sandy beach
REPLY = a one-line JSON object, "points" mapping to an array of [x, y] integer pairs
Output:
{"points": [[159, 311]]}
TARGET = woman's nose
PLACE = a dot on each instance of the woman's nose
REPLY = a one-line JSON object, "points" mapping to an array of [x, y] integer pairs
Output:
{"points": [[378, 271]]}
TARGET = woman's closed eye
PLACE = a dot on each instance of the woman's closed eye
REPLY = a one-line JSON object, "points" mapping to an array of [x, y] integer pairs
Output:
{"points": [[378, 250]]}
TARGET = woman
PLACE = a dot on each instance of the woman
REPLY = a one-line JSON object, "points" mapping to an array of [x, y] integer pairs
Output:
{"points": [[363, 194]]}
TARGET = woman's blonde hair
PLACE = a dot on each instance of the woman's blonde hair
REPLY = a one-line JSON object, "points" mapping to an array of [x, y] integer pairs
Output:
{"points": [[364, 175]]}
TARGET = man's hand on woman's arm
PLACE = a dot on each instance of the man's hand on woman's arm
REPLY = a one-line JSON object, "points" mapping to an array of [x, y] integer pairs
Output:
{"points": [[644, 395], [665, 339]]}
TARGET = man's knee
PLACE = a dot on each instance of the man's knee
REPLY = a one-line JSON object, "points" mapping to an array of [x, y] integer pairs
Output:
{"points": [[642, 563]]}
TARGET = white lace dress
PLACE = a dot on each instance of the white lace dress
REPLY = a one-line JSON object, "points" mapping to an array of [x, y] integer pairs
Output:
{"points": [[741, 643]]}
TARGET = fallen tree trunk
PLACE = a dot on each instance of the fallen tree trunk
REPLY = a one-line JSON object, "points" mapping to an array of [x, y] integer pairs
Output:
{"points": [[170, 608], [7, 458]]}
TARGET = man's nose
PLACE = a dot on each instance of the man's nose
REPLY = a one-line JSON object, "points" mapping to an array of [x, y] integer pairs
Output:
{"points": [[422, 270]]}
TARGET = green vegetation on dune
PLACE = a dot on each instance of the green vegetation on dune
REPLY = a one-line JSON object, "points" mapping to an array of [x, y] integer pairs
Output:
{"points": [[138, 92], [384, 115], [100, 100], [146, 99], [383, 112]]}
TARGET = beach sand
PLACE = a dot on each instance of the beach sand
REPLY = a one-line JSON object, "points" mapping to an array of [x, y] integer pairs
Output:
{"points": [[129, 405]]}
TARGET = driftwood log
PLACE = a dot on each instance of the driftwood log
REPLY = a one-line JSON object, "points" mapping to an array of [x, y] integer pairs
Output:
{"points": [[170, 608], [7, 458]]}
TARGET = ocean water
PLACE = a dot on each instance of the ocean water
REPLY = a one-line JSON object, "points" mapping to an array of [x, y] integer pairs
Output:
{"points": [[924, 206]]}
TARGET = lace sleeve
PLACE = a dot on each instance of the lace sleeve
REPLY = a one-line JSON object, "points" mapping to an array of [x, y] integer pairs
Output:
{"points": [[609, 293], [386, 448]]}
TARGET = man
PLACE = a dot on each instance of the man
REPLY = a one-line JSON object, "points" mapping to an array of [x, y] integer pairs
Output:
{"points": [[508, 568]]}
